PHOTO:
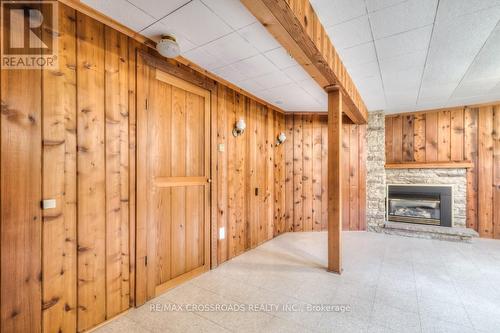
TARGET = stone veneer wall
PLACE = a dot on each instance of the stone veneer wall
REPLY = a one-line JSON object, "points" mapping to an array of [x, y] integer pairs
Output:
{"points": [[375, 171], [377, 177], [455, 177]]}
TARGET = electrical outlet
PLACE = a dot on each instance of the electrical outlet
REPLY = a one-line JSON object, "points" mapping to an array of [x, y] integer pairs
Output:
{"points": [[222, 233], [222, 147]]}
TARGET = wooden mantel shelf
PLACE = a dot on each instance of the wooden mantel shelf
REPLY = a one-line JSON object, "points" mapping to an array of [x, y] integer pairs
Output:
{"points": [[430, 165]]}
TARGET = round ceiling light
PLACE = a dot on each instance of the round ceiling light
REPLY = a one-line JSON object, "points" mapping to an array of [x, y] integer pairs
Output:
{"points": [[168, 46]]}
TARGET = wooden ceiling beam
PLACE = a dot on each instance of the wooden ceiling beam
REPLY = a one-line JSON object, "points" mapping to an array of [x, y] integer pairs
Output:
{"points": [[297, 27]]}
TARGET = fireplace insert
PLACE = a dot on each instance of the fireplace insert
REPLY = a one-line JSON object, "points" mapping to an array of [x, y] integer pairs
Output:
{"points": [[422, 204]]}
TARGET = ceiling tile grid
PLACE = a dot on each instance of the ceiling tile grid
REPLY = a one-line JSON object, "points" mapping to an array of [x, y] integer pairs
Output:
{"points": [[403, 55], [427, 53]]}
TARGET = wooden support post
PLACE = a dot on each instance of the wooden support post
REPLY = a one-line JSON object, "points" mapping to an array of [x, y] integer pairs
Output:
{"points": [[334, 179]]}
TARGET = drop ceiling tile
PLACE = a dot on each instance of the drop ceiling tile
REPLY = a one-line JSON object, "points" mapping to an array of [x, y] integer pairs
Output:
{"points": [[198, 23], [259, 37], [255, 66], [351, 33], [404, 43], [297, 73], [473, 88], [281, 58], [157, 9], [404, 63], [450, 9], [250, 85], [231, 73], [313, 89], [403, 17], [203, 59], [272, 80], [366, 70], [357, 55], [474, 100], [406, 98], [230, 49], [371, 86], [455, 45], [435, 93], [232, 12], [123, 12], [373, 5], [487, 63], [333, 12], [471, 28], [430, 105]]}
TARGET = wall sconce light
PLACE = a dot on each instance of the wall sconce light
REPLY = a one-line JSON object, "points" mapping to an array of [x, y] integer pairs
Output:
{"points": [[280, 139], [239, 128]]}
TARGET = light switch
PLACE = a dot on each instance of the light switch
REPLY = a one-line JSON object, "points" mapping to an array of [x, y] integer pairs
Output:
{"points": [[222, 233], [222, 147], [49, 204]]}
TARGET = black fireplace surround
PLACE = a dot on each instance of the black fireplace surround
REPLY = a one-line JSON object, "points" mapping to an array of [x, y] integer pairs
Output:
{"points": [[421, 204]]}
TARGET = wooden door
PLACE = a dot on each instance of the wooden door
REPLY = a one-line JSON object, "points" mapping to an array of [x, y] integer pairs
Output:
{"points": [[173, 181]]}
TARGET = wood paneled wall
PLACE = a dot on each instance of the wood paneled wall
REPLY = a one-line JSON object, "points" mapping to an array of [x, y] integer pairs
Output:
{"points": [[250, 172], [69, 134], [458, 134], [71, 143], [306, 172]]}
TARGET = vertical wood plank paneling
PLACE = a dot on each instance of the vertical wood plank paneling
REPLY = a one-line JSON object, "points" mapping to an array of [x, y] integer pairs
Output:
{"points": [[252, 202], [307, 175], [345, 185], [352, 176], [279, 180], [270, 174], [419, 138], [225, 120], [117, 246], [362, 177], [496, 172], [444, 134], [91, 173], [431, 137], [316, 173], [389, 140], [397, 138], [324, 173], [457, 134], [240, 145], [408, 122], [297, 174], [59, 182], [261, 174], [289, 171], [470, 149], [20, 194], [485, 172]]}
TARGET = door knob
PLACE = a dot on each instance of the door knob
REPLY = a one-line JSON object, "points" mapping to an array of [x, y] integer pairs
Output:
{"points": [[209, 180]]}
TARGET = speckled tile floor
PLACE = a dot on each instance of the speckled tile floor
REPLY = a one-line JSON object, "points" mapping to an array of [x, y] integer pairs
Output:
{"points": [[390, 283]]}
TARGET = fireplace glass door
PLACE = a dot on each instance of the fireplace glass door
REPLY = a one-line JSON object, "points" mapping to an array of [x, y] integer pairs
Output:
{"points": [[425, 209]]}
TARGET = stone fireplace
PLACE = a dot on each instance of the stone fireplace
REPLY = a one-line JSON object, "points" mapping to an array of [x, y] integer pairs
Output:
{"points": [[453, 180], [378, 219]]}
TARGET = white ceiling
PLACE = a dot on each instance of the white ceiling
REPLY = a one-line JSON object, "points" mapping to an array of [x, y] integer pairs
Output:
{"points": [[224, 38], [402, 55], [417, 54]]}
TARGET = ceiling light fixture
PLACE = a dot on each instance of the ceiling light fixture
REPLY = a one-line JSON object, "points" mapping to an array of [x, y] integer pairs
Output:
{"points": [[168, 46]]}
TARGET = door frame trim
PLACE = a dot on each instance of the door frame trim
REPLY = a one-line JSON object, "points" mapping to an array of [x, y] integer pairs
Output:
{"points": [[189, 75]]}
